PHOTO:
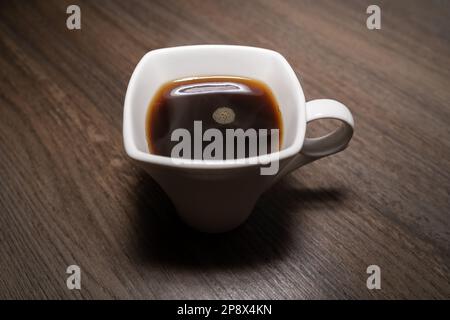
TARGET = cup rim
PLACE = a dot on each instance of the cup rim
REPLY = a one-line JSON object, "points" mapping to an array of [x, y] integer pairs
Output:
{"points": [[136, 154]]}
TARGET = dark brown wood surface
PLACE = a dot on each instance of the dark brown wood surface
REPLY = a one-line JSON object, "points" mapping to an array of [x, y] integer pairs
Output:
{"points": [[69, 194]]}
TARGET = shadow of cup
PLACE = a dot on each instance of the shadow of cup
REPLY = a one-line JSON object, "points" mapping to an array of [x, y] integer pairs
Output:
{"points": [[164, 240]]}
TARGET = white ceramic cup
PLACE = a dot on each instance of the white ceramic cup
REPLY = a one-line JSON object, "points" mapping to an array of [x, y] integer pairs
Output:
{"points": [[217, 196]]}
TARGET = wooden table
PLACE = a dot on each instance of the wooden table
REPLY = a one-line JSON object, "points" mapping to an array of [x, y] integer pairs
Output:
{"points": [[70, 195]]}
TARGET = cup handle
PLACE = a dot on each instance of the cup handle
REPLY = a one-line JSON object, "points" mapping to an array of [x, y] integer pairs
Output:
{"points": [[333, 142]]}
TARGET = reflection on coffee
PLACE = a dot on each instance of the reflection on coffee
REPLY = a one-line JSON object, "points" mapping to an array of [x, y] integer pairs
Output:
{"points": [[220, 103]]}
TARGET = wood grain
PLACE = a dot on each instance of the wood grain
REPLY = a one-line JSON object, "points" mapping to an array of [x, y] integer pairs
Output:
{"points": [[69, 194]]}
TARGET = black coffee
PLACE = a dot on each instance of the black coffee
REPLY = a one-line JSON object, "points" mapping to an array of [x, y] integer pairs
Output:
{"points": [[218, 102]]}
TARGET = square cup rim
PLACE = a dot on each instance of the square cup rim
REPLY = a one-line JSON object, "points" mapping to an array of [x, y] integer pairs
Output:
{"points": [[136, 154]]}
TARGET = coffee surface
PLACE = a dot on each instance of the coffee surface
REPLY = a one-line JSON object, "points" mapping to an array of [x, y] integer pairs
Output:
{"points": [[218, 102]]}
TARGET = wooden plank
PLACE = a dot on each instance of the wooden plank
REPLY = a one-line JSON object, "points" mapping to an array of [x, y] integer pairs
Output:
{"points": [[69, 194]]}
